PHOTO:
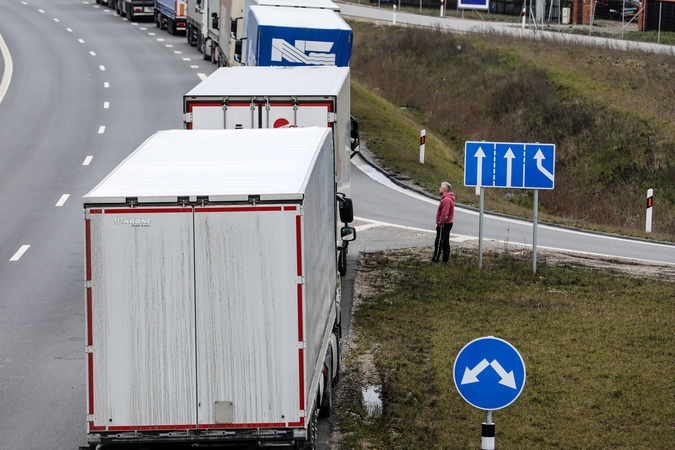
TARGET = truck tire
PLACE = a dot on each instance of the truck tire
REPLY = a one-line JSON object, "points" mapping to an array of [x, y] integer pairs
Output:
{"points": [[118, 7], [130, 11], [170, 26], [326, 400]]}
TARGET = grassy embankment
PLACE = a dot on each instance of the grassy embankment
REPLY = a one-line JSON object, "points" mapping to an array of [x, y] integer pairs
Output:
{"points": [[597, 347], [610, 113]]}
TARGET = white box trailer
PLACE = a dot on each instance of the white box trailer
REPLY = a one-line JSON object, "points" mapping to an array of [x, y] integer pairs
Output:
{"points": [[212, 293], [278, 97]]}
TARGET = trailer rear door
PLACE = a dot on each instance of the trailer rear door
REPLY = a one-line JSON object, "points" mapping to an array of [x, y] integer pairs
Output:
{"points": [[249, 303], [140, 306]]}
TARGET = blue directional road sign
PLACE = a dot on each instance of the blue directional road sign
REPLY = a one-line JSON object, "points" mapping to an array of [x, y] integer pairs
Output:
{"points": [[509, 165], [489, 373]]}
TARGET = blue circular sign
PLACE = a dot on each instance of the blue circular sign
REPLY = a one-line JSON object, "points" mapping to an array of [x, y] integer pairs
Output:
{"points": [[489, 373]]}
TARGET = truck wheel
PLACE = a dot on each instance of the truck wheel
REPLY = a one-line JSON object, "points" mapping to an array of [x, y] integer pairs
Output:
{"points": [[130, 12], [326, 400], [170, 26], [118, 8]]}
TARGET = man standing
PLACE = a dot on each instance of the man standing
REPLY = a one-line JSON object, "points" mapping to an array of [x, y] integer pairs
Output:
{"points": [[445, 216]]}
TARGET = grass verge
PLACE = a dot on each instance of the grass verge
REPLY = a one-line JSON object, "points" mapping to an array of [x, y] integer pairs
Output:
{"points": [[597, 346]]}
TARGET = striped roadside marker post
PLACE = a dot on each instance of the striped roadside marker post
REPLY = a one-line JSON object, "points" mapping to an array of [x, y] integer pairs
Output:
{"points": [[650, 195], [423, 139]]}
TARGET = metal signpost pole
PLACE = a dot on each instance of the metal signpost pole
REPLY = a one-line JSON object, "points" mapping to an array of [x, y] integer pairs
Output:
{"points": [[480, 229], [534, 230]]}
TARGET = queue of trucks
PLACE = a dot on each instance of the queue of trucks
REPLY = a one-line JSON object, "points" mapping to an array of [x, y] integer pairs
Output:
{"points": [[252, 32], [213, 254]]}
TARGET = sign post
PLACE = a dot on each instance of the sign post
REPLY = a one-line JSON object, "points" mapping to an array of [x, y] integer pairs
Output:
{"points": [[510, 165], [489, 374]]}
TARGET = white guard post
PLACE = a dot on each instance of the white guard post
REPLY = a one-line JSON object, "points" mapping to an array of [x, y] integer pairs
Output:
{"points": [[488, 433], [394, 20], [423, 140], [524, 16], [650, 195]]}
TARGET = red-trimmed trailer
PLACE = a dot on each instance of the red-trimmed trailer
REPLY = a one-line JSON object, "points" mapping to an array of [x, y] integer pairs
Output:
{"points": [[212, 290]]}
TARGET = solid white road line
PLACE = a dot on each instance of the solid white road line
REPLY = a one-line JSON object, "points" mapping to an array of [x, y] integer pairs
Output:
{"points": [[87, 160], [19, 253], [9, 68], [62, 200], [101, 129]]}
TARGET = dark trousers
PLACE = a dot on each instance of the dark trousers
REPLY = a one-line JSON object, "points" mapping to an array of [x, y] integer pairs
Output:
{"points": [[442, 242]]}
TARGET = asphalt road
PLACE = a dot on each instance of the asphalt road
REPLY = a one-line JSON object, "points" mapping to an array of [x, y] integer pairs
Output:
{"points": [[87, 88]]}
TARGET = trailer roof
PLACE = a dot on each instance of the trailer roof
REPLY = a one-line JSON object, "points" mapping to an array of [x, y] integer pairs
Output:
{"points": [[223, 165], [273, 81], [320, 19], [317, 4]]}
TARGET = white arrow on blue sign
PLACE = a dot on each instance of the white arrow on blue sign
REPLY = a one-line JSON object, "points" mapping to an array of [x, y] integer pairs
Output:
{"points": [[509, 165], [489, 373]]}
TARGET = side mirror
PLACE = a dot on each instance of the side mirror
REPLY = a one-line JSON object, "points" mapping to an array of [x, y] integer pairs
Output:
{"points": [[346, 208], [214, 21], [348, 234], [354, 134]]}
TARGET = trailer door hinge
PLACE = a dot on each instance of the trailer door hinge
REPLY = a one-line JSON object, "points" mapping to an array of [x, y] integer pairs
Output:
{"points": [[187, 117], [332, 117]]}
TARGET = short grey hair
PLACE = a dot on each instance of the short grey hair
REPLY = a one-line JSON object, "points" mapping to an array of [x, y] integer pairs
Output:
{"points": [[447, 186]]}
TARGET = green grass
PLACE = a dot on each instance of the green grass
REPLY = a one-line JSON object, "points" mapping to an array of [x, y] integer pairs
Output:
{"points": [[597, 347]]}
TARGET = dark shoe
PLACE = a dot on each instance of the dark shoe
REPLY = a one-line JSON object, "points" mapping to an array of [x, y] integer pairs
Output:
{"points": [[435, 261], [445, 262]]}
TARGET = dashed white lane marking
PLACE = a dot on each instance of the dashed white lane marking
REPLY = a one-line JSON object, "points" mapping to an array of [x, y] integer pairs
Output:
{"points": [[202, 76], [186, 59], [92, 53], [143, 29], [194, 67], [81, 41], [168, 46], [87, 160], [41, 11], [101, 67], [160, 40], [106, 84], [62, 200], [101, 129], [106, 105], [152, 34], [24, 3], [56, 20], [19, 253], [70, 30]]}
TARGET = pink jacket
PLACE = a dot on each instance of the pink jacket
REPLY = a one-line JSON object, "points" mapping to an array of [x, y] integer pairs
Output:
{"points": [[446, 210]]}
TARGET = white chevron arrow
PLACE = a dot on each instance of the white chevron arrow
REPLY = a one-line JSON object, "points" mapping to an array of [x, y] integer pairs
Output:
{"points": [[471, 375]]}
